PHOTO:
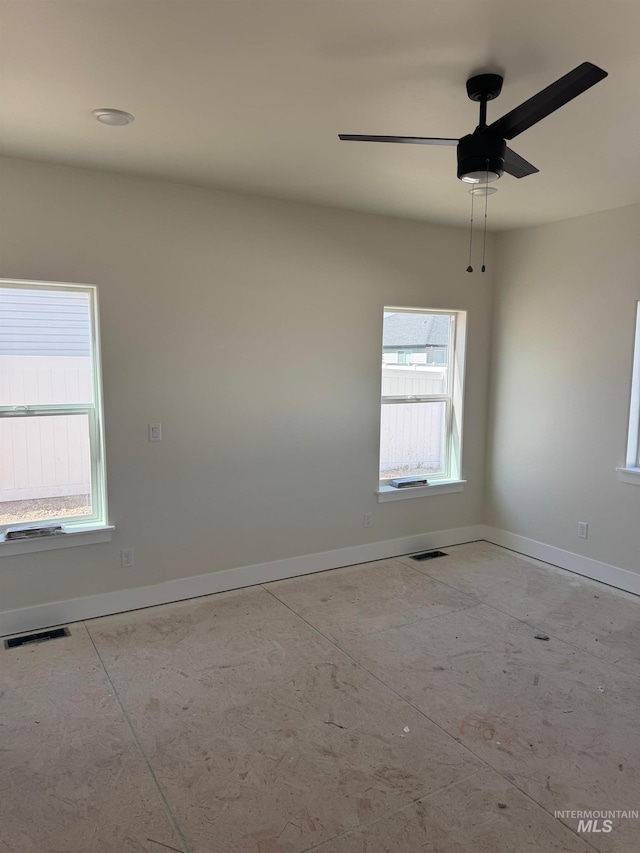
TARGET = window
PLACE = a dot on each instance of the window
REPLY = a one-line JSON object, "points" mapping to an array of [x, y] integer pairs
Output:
{"points": [[436, 355], [51, 432], [631, 471], [421, 413]]}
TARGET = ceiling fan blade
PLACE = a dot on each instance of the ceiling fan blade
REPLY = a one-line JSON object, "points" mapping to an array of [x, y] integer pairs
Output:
{"points": [[548, 100], [517, 166], [411, 140]]}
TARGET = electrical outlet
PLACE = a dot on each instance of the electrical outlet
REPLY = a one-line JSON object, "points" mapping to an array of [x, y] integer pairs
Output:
{"points": [[126, 558], [367, 521], [583, 530]]}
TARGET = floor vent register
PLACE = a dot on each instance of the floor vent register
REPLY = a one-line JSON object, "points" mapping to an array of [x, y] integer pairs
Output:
{"points": [[428, 555], [38, 637]]}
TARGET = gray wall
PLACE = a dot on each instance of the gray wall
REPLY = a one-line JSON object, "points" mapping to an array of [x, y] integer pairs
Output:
{"points": [[563, 344], [250, 469]]}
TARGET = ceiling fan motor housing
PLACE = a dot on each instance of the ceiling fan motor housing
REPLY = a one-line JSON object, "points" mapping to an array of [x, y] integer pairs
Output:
{"points": [[481, 155]]}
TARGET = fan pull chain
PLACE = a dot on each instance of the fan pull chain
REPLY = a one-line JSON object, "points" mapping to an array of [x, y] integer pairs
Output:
{"points": [[484, 236], [470, 268]]}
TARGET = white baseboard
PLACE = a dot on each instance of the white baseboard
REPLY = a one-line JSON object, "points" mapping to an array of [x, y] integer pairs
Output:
{"points": [[585, 566], [104, 604]]}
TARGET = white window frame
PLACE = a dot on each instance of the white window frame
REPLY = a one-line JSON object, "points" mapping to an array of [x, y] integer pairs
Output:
{"points": [[451, 479], [97, 520], [630, 473]]}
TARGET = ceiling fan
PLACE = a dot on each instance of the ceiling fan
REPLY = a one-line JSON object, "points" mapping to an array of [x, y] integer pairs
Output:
{"points": [[484, 155]]}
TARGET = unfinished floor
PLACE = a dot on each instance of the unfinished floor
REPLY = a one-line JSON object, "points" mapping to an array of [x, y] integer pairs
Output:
{"points": [[391, 707]]}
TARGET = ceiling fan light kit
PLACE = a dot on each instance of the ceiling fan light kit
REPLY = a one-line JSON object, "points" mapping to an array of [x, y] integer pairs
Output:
{"points": [[483, 190], [480, 160]]}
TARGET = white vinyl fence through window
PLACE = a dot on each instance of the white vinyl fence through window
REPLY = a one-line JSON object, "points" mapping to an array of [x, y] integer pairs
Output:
{"points": [[412, 436], [42, 457]]}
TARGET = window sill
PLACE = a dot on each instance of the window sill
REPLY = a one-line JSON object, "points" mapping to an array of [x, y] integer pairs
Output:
{"points": [[441, 487], [76, 535], [629, 475]]}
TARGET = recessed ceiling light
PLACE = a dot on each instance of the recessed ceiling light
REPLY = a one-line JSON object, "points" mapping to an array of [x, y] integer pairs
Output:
{"points": [[483, 190], [116, 118]]}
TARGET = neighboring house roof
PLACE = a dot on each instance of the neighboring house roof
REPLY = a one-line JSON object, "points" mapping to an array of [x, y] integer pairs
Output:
{"points": [[416, 330], [44, 322]]}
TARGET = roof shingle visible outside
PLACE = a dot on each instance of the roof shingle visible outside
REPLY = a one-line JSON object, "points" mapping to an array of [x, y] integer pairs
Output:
{"points": [[416, 330]]}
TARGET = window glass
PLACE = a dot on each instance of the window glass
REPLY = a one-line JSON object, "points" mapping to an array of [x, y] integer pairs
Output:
{"points": [[418, 414], [51, 453], [46, 468], [45, 347], [633, 438], [412, 439]]}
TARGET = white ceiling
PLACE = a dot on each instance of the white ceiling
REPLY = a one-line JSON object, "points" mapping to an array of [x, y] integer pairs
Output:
{"points": [[250, 95]]}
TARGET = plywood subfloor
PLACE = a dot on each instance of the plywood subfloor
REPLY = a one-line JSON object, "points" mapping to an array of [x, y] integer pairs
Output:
{"points": [[391, 707]]}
